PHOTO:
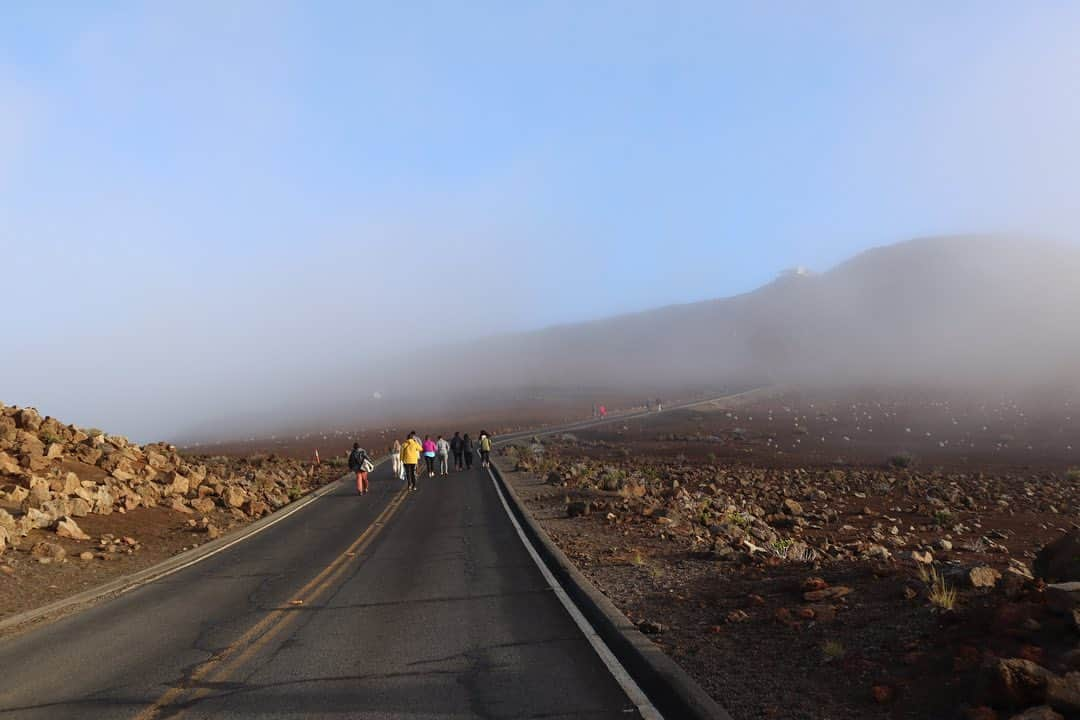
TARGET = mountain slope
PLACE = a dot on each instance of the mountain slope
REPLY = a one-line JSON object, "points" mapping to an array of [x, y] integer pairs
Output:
{"points": [[954, 309]]}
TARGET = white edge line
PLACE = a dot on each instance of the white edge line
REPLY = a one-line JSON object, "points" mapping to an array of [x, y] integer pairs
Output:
{"points": [[647, 710]]}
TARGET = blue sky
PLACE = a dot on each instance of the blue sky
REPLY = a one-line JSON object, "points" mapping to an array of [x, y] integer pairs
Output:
{"points": [[194, 195]]}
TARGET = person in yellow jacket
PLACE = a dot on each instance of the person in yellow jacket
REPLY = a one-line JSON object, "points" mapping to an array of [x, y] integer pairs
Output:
{"points": [[485, 449], [410, 455]]}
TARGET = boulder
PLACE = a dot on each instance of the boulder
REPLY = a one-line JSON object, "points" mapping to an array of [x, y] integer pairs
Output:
{"points": [[234, 496], [156, 460], [23, 525], [27, 419], [177, 484], [256, 508], [6, 521], [577, 508], [877, 552], [39, 492], [88, 454], [65, 485], [9, 465], [178, 504], [204, 505], [1063, 598], [1059, 561], [56, 508], [34, 461], [79, 507], [16, 494], [1063, 694], [103, 501], [790, 507], [46, 552], [7, 428], [38, 519], [1019, 683], [68, 528], [983, 577], [129, 498]]}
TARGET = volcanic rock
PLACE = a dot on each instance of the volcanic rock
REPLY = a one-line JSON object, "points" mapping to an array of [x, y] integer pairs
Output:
{"points": [[69, 529], [1059, 561], [46, 552]]}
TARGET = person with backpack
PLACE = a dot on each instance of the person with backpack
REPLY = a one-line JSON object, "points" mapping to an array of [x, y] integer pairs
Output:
{"points": [[456, 447], [410, 455], [429, 455], [485, 449], [442, 449], [361, 464], [467, 450]]}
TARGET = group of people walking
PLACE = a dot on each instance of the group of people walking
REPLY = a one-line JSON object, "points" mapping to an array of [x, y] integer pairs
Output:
{"points": [[405, 457]]}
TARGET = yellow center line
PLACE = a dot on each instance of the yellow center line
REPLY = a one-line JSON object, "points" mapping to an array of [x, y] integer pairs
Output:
{"points": [[270, 626]]}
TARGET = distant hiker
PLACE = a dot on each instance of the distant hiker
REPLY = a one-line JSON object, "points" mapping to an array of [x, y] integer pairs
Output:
{"points": [[410, 455], [485, 449], [361, 464], [659, 405], [429, 455], [457, 448], [395, 460], [603, 411], [595, 412], [442, 449], [467, 451]]}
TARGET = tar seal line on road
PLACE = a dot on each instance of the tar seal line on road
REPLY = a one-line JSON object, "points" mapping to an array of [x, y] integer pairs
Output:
{"points": [[641, 702], [221, 665]]}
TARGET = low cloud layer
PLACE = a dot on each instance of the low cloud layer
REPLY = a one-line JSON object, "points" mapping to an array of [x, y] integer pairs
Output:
{"points": [[230, 219]]}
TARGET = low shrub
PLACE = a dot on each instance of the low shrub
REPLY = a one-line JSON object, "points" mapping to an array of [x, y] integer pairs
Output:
{"points": [[901, 460]]}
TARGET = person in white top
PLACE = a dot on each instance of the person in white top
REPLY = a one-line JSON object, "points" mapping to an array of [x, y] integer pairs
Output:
{"points": [[395, 459], [442, 449]]}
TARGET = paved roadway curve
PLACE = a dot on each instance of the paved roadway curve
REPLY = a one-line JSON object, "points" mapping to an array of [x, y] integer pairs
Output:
{"points": [[391, 605]]}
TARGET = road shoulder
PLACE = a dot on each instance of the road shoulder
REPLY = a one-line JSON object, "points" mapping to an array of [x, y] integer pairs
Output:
{"points": [[668, 686]]}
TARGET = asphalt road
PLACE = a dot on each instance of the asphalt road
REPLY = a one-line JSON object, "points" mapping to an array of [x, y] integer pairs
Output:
{"points": [[390, 605]]}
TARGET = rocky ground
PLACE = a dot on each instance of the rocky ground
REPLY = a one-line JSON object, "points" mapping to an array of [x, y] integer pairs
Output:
{"points": [[847, 578], [79, 507]]}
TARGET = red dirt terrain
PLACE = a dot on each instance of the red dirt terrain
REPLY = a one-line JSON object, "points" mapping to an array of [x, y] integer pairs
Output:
{"points": [[842, 554]]}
